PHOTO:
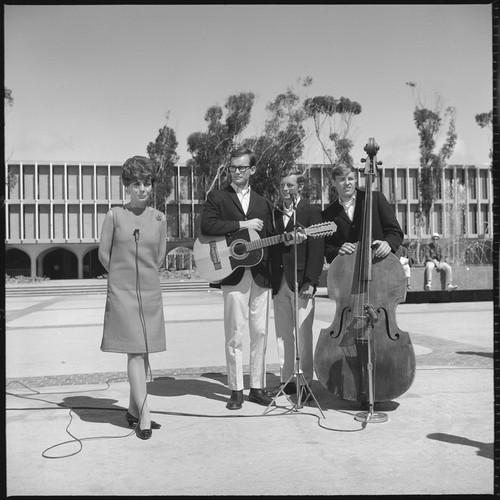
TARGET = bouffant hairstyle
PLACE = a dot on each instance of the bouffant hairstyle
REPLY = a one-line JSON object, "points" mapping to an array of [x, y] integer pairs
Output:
{"points": [[138, 168]]}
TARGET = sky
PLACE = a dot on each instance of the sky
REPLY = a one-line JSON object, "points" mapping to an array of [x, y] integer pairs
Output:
{"points": [[95, 83]]}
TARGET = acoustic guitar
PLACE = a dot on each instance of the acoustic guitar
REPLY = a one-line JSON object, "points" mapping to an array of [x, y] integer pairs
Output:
{"points": [[216, 257]]}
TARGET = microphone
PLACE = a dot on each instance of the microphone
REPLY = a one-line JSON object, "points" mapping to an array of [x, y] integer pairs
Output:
{"points": [[136, 235], [277, 207]]}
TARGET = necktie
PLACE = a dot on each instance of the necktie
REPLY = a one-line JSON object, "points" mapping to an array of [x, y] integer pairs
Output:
{"points": [[244, 197]]}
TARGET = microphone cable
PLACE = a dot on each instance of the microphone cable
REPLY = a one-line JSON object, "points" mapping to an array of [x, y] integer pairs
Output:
{"points": [[65, 406], [142, 320], [139, 301]]}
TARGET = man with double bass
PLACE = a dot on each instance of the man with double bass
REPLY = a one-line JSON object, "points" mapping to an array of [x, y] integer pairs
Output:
{"points": [[347, 213], [366, 286]]}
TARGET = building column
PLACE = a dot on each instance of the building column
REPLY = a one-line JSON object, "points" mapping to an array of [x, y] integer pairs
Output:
{"points": [[33, 266], [80, 266]]}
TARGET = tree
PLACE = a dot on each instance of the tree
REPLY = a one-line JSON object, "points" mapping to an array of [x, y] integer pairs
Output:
{"points": [[281, 144], [8, 100], [485, 120], [333, 119], [210, 150], [163, 152], [455, 214], [430, 122]]}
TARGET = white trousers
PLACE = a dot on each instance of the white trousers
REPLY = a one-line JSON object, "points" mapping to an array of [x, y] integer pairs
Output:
{"points": [[246, 306], [284, 322], [429, 266], [406, 267]]}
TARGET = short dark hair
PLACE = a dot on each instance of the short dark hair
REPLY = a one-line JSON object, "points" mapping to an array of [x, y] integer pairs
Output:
{"points": [[342, 169], [245, 151], [138, 168]]}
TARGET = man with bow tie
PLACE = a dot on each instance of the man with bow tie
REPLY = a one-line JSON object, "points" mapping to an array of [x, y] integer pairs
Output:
{"points": [[310, 260]]}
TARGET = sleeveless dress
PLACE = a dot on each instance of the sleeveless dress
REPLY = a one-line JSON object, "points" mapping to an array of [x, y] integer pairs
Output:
{"points": [[133, 318]]}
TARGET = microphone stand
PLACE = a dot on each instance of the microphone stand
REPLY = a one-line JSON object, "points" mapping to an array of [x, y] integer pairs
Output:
{"points": [[303, 389], [371, 415]]}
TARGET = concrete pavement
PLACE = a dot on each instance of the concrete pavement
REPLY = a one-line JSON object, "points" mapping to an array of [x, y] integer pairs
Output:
{"points": [[66, 400]]}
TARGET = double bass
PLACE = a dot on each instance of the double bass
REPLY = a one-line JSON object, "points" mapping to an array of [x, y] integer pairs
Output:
{"points": [[363, 356]]}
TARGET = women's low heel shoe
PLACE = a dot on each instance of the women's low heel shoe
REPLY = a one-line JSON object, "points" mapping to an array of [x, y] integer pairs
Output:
{"points": [[132, 421], [143, 433]]}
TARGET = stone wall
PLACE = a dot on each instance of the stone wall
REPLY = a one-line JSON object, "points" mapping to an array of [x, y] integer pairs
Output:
{"points": [[466, 278]]}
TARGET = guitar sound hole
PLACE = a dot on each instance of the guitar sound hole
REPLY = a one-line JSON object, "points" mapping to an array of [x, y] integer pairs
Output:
{"points": [[239, 249]]}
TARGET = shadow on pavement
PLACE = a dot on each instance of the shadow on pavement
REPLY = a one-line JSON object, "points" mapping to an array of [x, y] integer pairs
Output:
{"points": [[173, 387], [209, 385], [96, 410], [484, 449], [477, 353]]}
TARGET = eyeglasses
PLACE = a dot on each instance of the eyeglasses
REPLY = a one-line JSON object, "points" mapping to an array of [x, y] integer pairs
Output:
{"points": [[242, 168]]}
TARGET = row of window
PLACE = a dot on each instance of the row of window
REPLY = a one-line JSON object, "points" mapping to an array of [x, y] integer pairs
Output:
{"points": [[84, 221], [103, 182], [58, 201]]}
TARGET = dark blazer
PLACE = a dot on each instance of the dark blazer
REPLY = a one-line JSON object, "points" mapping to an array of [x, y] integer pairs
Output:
{"points": [[221, 216], [385, 225], [310, 253]]}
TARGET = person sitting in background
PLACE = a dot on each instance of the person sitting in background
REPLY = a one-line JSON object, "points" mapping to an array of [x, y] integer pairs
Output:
{"points": [[435, 259], [402, 254]]}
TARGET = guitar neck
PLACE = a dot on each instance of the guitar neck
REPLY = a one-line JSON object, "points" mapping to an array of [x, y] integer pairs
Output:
{"points": [[316, 231], [266, 242]]}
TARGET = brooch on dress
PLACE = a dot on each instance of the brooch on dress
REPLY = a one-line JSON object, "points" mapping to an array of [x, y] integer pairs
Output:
{"points": [[158, 218]]}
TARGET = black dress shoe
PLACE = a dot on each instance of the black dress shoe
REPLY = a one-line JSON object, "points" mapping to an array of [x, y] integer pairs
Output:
{"points": [[133, 420], [143, 433], [260, 397], [235, 401]]}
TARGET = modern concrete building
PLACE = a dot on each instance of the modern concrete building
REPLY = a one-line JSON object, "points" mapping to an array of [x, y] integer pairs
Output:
{"points": [[54, 211]]}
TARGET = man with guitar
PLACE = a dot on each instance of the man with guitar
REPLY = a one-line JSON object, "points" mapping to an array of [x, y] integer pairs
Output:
{"points": [[310, 260], [246, 289]]}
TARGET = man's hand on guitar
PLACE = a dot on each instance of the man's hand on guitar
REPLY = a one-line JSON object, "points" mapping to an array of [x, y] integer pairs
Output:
{"points": [[301, 236], [255, 224]]}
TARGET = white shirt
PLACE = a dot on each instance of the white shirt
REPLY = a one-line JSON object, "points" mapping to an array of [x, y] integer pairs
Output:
{"points": [[349, 206], [288, 212], [243, 196]]}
